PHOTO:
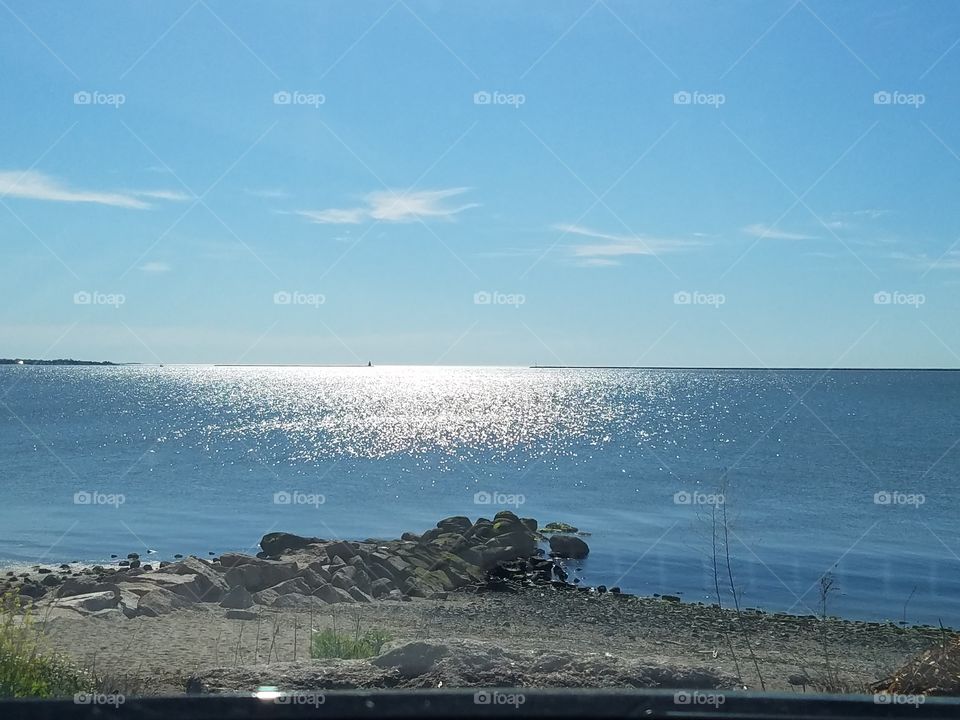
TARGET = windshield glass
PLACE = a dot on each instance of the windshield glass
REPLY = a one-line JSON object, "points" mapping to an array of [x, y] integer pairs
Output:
{"points": [[484, 345]]}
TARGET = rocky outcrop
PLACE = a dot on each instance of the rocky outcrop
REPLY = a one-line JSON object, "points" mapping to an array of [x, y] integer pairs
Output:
{"points": [[303, 572]]}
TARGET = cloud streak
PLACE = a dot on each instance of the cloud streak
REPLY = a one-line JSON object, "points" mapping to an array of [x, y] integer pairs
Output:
{"points": [[768, 232], [609, 247], [34, 185], [393, 206]]}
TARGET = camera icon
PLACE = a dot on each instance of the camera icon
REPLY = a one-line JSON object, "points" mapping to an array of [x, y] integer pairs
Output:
{"points": [[882, 699], [682, 498], [882, 97], [282, 498], [682, 98], [681, 697], [882, 498], [282, 298], [882, 298], [82, 498], [482, 698], [82, 298], [82, 98], [482, 498], [482, 98], [482, 298], [282, 97], [682, 298]]}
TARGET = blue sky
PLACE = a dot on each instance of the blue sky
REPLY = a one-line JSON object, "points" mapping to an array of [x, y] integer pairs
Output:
{"points": [[659, 183]]}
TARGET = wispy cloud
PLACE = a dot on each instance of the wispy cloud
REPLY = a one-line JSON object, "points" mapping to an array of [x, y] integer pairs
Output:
{"points": [[768, 232], [949, 260], [394, 206], [611, 246], [34, 185], [155, 267]]}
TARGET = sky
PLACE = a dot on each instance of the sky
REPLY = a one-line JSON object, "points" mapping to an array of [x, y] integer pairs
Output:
{"points": [[662, 183]]}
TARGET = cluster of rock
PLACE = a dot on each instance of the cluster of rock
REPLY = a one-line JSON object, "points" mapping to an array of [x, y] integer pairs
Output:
{"points": [[302, 572]]}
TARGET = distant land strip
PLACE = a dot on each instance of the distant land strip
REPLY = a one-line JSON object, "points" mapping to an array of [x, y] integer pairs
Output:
{"points": [[62, 361]]}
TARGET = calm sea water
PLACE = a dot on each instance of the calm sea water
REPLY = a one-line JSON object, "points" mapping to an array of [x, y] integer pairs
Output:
{"points": [[203, 459]]}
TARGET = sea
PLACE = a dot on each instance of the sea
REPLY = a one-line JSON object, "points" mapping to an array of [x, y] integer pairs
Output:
{"points": [[801, 491]]}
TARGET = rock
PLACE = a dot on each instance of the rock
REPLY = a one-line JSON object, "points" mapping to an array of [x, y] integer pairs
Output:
{"points": [[359, 595], [411, 659], [293, 585], [381, 587], [457, 524], [566, 546], [265, 597], [559, 527], [529, 523], [314, 577], [410, 537], [241, 615], [124, 563], [90, 602], [148, 567], [278, 543], [209, 584], [341, 550], [331, 594], [134, 564], [44, 571], [81, 584], [441, 595], [237, 598], [51, 580], [255, 574], [395, 595], [160, 602], [133, 556]]}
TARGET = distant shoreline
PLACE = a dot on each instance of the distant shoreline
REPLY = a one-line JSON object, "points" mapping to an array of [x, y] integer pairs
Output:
{"points": [[62, 361]]}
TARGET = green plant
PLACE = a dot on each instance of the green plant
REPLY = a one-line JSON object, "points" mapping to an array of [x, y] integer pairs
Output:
{"points": [[331, 643], [25, 669]]}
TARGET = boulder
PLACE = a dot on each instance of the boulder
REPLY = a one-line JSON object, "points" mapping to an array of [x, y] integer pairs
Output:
{"points": [[278, 543], [241, 615], [90, 602], [265, 597], [256, 575], [411, 659], [160, 602], [458, 524], [237, 598], [567, 546], [359, 595], [82, 584], [208, 583], [381, 587], [293, 585], [331, 594], [342, 550]]}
